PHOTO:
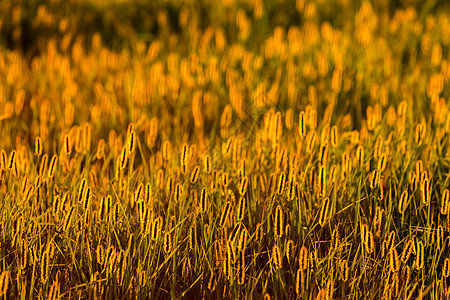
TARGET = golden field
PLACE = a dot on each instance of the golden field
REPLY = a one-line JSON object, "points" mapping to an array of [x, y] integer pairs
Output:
{"points": [[237, 149]]}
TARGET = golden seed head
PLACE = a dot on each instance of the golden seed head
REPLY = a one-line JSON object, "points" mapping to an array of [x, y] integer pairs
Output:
{"points": [[67, 145], [194, 175], [382, 162], [100, 254], [184, 153], [419, 255], [299, 282], [360, 155], [12, 159], [4, 283], [123, 159], [407, 251], [303, 258], [81, 189], [290, 250], [192, 236], [445, 202], [156, 228], [53, 165], [131, 142], [139, 192], [281, 183], [178, 192], [334, 136], [207, 164], [446, 268], [241, 208], [425, 191], [374, 179], [243, 186], [324, 211], [167, 243], [344, 270], [243, 237], [225, 213], [276, 257], [394, 262], [402, 204], [38, 146], [87, 198], [322, 182], [203, 200], [279, 222]]}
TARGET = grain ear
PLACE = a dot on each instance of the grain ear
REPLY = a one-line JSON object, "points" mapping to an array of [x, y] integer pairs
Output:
{"points": [[38, 146], [279, 222], [446, 268], [53, 165], [403, 202], [324, 211], [302, 125], [276, 257], [67, 145], [394, 261], [445, 202], [303, 258], [131, 142], [167, 243]]}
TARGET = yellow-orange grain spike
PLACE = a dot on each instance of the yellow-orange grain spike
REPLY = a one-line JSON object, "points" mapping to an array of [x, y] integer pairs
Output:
{"points": [[123, 159], [446, 268], [167, 243], [394, 261], [43, 165], [203, 200], [38, 146], [324, 211], [425, 190], [303, 258], [276, 257], [445, 202], [402, 204], [67, 145], [52, 167], [81, 190], [407, 251], [334, 136], [207, 164], [183, 157], [382, 162], [374, 179], [360, 155], [243, 186], [281, 183], [279, 222], [225, 213], [241, 208], [12, 159], [419, 255], [322, 182], [132, 142], [194, 175], [302, 125], [344, 270]]}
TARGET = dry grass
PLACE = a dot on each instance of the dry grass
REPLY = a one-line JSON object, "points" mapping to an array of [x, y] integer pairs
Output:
{"points": [[238, 149]]}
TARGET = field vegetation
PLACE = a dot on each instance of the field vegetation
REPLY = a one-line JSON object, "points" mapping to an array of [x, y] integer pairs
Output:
{"points": [[224, 149]]}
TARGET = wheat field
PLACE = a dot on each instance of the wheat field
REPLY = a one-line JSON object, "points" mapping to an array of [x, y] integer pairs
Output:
{"points": [[235, 149]]}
